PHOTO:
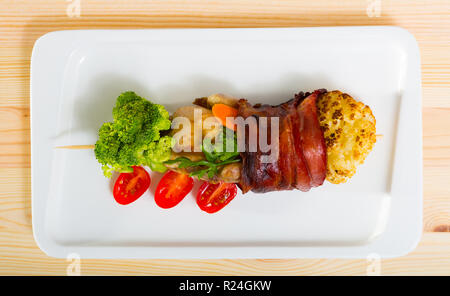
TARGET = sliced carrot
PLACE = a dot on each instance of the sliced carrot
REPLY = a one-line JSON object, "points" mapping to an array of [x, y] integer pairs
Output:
{"points": [[222, 111]]}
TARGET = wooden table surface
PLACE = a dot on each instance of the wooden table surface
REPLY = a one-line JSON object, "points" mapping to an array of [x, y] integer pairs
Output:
{"points": [[22, 22]]}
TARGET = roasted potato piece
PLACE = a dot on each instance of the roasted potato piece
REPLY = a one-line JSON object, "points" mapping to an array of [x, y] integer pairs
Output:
{"points": [[188, 112], [230, 173], [349, 132], [209, 102]]}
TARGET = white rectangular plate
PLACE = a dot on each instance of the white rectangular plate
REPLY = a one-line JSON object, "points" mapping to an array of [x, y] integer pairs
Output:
{"points": [[77, 75]]}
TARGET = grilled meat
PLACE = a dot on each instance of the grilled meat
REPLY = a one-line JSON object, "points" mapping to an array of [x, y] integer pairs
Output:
{"points": [[301, 162]]}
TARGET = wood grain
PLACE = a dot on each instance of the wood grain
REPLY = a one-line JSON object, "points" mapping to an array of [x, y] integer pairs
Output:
{"points": [[22, 22]]}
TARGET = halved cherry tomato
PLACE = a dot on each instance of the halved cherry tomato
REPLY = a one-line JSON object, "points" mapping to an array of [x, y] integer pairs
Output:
{"points": [[130, 186], [172, 188], [213, 197]]}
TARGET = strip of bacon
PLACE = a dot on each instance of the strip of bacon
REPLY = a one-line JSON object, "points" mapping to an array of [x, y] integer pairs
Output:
{"points": [[313, 142], [302, 152]]}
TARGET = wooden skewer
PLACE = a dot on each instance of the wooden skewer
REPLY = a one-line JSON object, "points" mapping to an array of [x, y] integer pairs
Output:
{"points": [[76, 147]]}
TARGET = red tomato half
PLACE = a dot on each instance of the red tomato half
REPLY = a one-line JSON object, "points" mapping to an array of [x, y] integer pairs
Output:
{"points": [[172, 188], [130, 186], [213, 197]]}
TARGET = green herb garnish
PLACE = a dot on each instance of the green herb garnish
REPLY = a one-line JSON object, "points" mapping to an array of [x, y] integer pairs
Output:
{"points": [[214, 157]]}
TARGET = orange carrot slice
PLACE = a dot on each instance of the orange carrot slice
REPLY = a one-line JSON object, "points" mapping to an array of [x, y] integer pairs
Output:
{"points": [[222, 111]]}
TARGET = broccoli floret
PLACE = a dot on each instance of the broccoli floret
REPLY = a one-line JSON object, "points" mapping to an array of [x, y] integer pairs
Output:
{"points": [[133, 138], [157, 152]]}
